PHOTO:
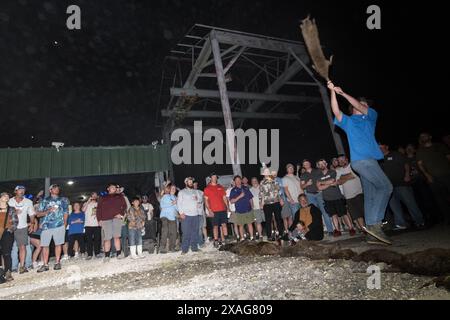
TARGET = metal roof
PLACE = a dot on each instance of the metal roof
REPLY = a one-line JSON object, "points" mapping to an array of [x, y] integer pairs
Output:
{"points": [[34, 163]]}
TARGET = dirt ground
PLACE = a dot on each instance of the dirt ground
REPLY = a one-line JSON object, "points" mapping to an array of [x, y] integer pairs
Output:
{"points": [[211, 274]]}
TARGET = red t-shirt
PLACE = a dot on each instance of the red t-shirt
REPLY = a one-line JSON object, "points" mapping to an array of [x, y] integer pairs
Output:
{"points": [[215, 196]]}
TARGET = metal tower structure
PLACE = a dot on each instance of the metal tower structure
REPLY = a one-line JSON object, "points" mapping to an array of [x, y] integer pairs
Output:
{"points": [[228, 76]]}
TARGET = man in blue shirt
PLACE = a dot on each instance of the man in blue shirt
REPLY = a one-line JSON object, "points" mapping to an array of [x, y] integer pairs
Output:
{"points": [[241, 197], [365, 153], [53, 211]]}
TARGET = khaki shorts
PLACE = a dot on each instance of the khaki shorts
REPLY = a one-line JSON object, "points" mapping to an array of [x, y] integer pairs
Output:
{"points": [[112, 229], [21, 236], [244, 218]]}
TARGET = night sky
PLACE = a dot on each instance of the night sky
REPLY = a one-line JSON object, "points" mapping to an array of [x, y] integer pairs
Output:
{"points": [[100, 85]]}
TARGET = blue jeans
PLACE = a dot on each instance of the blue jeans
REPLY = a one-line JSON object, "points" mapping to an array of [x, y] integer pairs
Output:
{"points": [[405, 194], [15, 256], [189, 227], [377, 189], [135, 237], [317, 200], [294, 208]]}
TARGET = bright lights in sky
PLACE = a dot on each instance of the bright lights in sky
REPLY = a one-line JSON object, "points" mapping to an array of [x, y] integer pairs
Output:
{"points": [[70, 182]]}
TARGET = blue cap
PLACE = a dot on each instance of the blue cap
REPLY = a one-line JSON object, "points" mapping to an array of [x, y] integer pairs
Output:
{"points": [[19, 188]]}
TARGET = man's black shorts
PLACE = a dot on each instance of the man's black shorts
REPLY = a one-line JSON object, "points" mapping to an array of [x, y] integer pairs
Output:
{"points": [[336, 207], [220, 218]]}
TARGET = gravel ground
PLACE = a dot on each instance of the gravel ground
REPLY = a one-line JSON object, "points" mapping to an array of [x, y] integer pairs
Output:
{"points": [[211, 274]]}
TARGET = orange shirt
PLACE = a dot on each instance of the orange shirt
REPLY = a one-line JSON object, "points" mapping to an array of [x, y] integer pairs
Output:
{"points": [[215, 194]]}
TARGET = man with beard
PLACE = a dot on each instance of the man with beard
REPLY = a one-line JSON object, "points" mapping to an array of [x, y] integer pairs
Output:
{"points": [[189, 201]]}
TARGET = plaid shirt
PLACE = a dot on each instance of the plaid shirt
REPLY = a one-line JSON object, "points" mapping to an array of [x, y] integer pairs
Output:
{"points": [[135, 218]]}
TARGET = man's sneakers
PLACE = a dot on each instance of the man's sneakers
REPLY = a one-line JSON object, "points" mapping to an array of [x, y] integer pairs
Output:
{"points": [[377, 233], [399, 228], [65, 258], [43, 268], [22, 270], [352, 232], [57, 266]]}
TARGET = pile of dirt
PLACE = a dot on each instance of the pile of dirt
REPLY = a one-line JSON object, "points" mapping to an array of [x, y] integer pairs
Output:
{"points": [[429, 262]]}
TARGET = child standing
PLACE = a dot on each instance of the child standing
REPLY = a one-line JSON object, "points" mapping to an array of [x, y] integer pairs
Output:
{"points": [[136, 221], [76, 229]]}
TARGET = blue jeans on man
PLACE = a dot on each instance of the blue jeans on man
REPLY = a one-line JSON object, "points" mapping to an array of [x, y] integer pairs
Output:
{"points": [[405, 195], [190, 237], [15, 256], [377, 189], [317, 200], [294, 208]]}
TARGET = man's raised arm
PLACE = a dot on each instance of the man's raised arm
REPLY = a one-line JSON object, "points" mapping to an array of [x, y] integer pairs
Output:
{"points": [[334, 103], [354, 102]]}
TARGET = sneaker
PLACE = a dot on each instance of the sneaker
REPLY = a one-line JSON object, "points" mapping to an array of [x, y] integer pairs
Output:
{"points": [[43, 268], [57, 266], [65, 258], [337, 233], [352, 232], [216, 243], [8, 276], [376, 232], [99, 256], [88, 258], [77, 255], [35, 265], [106, 259], [22, 270], [398, 227]]}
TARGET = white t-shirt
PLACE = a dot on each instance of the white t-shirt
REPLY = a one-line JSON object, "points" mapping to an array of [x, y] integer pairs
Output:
{"points": [[293, 185], [91, 214], [351, 188], [232, 206], [255, 193], [149, 209], [23, 208]]}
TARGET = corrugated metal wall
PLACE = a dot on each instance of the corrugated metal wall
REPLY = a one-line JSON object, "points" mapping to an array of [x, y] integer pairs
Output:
{"points": [[34, 163]]}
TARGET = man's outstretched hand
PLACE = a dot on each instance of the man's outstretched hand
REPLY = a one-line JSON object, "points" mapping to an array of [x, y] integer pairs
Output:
{"points": [[332, 87], [338, 90]]}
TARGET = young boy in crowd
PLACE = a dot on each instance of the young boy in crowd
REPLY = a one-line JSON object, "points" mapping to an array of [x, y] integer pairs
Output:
{"points": [[136, 220], [76, 230], [299, 233]]}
